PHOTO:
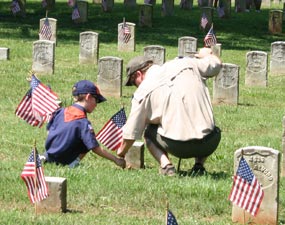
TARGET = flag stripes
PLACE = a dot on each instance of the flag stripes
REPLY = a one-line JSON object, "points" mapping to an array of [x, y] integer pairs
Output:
{"points": [[45, 31], [111, 134], [33, 176], [246, 191]]}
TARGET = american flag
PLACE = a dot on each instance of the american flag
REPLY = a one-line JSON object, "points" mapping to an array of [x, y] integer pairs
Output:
{"points": [[75, 13], [25, 111], [15, 7], [33, 176], [111, 134], [45, 32], [204, 21], [37, 104], [44, 100], [246, 191], [171, 220], [210, 38], [125, 33]]}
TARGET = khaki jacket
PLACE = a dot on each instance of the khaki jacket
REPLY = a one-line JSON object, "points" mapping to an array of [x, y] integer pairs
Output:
{"points": [[175, 97]]}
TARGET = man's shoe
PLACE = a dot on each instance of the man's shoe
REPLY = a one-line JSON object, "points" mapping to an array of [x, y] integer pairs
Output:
{"points": [[197, 170], [168, 170]]}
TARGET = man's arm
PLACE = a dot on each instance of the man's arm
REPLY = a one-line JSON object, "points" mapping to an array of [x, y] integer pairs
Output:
{"points": [[125, 146]]}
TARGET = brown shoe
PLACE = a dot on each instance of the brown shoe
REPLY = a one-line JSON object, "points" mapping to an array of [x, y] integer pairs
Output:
{"points": [[168, 170]]}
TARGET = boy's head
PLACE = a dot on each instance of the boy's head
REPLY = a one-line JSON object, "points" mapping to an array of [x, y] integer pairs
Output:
{"points": [[83, 87]]}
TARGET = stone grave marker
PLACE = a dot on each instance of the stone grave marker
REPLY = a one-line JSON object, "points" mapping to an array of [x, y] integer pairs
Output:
{"points": [[277, 60], [240, 5], [4, 53], [43, 57], [56, 201], [186, 4], [89, 47], [130, 3], [206, 18], [187, 46], [167, 8], [265, 165], [275, 21], [97, 1], [217, 50], [256, 69], [145, 15], [52, 23], [126, 37], [83, 11], [283, 147], [226, 85], [110, 73], [135, 156], [156, 53]]}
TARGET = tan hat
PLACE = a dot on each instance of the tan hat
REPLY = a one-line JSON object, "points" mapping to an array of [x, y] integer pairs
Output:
{"points": [[135, 64]]}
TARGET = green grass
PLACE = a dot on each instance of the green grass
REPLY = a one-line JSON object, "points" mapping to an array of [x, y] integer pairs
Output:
{"points": [[99, 192]]}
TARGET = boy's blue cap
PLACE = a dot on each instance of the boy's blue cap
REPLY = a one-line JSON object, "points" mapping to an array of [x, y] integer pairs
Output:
{"points": [[87, 87]]}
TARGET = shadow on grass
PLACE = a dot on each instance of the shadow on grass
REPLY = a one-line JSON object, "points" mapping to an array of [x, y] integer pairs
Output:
{"points": [[215, 175]]}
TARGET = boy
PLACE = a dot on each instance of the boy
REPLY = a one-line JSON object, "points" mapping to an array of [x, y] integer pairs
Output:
{"points": [[70, 134]]}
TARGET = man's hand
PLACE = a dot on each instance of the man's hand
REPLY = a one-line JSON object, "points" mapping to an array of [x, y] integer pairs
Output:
{"points": [[204, 52]]}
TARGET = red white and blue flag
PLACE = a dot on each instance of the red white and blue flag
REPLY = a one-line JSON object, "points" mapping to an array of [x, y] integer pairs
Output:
{"points": [[38, 104], [210, 39], [246, 191], [33, 176], [111, 134], [45, 32], [125, 33], [171, 220], [75, 13], [204, 21], [15, 7]]}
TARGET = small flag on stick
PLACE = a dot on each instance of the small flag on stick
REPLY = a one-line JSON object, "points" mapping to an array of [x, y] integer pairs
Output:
{"points": [[170, 218], [125, 33], [75, 13], [15, 7], [204, 21], [111, 134], [210, 38], [38, 104], [33, 176], [45, 32], [246, 191]]}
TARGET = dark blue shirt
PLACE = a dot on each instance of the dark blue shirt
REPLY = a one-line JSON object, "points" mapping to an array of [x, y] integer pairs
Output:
{"points": [[70, 134]]}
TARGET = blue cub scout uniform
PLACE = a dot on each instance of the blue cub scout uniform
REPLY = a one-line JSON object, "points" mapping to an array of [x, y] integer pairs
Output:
{"points": [[70, 134]]}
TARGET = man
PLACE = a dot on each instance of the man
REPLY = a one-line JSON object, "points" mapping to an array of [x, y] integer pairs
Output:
{"points": [[172, 106], [70, 133]]}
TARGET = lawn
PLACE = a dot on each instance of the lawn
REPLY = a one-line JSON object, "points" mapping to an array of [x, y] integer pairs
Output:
{"points": [[98, 191]]}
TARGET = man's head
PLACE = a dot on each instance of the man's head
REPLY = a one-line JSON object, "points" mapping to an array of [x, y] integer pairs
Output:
{"points": [[84, 87], [138, 63]]}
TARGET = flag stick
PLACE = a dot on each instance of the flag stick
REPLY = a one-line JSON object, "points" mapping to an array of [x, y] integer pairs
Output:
{"points": [[46, 13], [35, 178], [242, 153], [166, 215]]}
